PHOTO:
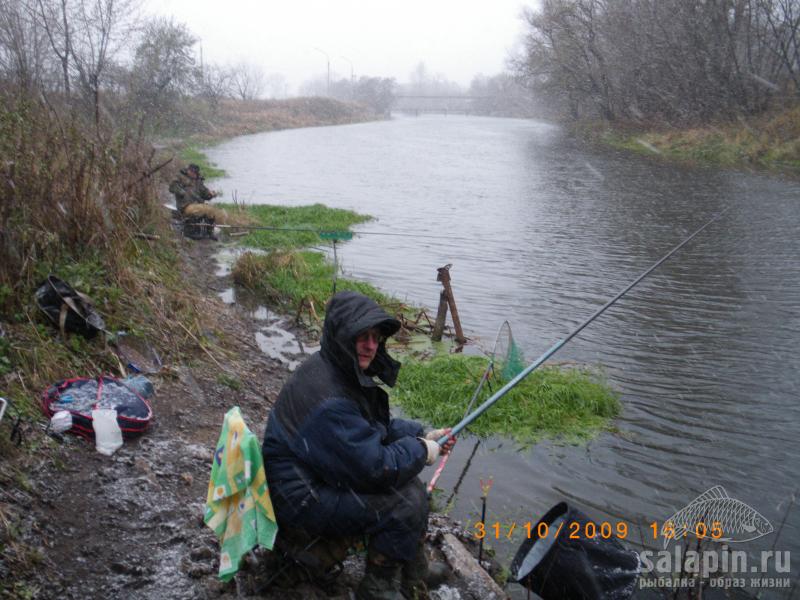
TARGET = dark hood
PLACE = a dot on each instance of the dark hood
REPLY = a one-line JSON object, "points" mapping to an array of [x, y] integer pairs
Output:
{"points": [[347, 315]]}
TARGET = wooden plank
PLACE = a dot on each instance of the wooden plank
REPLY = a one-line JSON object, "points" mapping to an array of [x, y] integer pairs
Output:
{"points": [[466, 567]]}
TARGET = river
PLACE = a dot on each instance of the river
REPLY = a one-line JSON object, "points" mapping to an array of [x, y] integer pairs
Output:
{"points": [[542, 230]]}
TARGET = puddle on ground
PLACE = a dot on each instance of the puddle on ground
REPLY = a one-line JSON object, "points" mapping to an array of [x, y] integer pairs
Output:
{"points": [[274, 336], [279, 344], [260, 314]]}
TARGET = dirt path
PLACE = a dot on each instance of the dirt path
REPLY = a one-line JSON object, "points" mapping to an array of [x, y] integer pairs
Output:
{"points": [[131, 525]]}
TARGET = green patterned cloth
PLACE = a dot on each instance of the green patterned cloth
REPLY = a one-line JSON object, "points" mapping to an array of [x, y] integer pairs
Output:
{"points": [[238, 507]]}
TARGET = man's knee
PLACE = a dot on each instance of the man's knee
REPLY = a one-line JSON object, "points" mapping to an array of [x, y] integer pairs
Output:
{"points": [[413, 506]]}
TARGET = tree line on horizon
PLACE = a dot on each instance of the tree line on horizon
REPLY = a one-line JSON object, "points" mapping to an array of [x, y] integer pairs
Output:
{"points": [[663, 61], [76, 51]]}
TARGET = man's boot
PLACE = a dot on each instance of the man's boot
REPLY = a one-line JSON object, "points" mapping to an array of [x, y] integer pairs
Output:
{"points": [[381, 579], [419, 575]]}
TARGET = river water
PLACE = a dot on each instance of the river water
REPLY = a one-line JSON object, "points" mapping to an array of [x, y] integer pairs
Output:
{"points": [[541, 231]]}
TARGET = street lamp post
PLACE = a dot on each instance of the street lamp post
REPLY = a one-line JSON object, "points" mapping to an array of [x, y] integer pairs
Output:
{"points": [[328, 60]]}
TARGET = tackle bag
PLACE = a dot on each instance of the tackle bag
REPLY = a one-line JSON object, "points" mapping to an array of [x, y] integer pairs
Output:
{"points": [[68, 309], [80, 396], [566, 564]]}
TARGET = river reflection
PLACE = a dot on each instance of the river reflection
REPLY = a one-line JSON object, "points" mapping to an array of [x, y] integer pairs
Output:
{"points": [[542, 231]]}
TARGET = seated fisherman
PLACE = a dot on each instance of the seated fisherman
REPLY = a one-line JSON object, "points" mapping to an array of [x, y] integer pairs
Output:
{"points": [[338, 465], [190, 194]]}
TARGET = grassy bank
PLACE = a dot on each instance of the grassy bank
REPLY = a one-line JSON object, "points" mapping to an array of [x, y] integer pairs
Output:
{"points": [[231, 118], [565, 403], [288, 273], [83, 203], [768, 142]]}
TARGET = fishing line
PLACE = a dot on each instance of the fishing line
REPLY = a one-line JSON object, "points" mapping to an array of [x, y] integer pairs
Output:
{"points": [[351, 233]]}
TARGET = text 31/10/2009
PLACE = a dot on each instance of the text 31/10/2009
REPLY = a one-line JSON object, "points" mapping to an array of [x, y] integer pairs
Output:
{"points": [[575, 530]]}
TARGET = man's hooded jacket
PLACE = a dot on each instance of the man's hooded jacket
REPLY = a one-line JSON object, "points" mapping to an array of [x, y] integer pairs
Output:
{"points": [[331, 424]]}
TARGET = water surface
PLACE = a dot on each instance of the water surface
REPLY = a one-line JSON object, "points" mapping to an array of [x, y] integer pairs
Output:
{"points": [[542, 231]]}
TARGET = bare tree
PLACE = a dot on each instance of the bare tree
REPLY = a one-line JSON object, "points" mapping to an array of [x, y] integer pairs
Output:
{"points": [[84, 37], [670, 60], [376, 92], [247, 80], [214, 83], [100, 27], [782, 19], [22, 44], [163, 67], [55, 22]]}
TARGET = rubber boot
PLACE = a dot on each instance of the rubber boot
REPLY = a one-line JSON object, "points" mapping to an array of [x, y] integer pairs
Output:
{"points": [[420, 575], [381, 580]]}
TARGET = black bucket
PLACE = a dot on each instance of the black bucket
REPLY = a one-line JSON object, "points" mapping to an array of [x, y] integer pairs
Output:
{"points": [[572, 566]]}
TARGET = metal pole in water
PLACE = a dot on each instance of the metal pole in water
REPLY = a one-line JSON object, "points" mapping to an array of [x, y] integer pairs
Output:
{"points": [[558, 345]]}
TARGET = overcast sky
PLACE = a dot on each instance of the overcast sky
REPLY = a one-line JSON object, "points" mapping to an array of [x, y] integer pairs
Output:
{"points": [[454, 37]]}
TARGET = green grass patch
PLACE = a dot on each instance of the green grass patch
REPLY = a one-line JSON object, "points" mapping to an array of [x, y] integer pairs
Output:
{"points": [[192, 154], [289, 273], [288, 278], [314, 217], [230, 381], [568, 404]]}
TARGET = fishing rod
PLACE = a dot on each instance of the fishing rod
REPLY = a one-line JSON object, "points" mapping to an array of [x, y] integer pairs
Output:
{"points": [[558, 345]]}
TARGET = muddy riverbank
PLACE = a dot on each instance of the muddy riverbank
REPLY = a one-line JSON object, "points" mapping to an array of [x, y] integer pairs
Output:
{"points": [[130, 525]]}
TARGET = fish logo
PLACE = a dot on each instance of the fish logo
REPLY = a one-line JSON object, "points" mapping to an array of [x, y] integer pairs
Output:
{"points": [[734, 520]]}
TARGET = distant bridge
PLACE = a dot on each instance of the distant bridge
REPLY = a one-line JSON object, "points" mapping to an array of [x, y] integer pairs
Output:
{"points": [[417, 104]]}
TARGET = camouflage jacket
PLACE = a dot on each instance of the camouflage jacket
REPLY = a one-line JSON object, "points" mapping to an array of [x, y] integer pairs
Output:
{"points": [[189, 191]]}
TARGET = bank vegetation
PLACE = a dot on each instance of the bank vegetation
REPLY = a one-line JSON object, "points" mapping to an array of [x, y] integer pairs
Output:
{"points": [[287, 262], [99, 107], [717, 80]]}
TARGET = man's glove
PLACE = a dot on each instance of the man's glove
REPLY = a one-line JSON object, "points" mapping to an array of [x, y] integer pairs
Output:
{"points": [[433, 450], [438, 433]]}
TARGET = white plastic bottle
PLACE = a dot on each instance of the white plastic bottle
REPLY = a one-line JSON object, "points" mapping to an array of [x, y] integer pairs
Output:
{"points": [[107, 434]]}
